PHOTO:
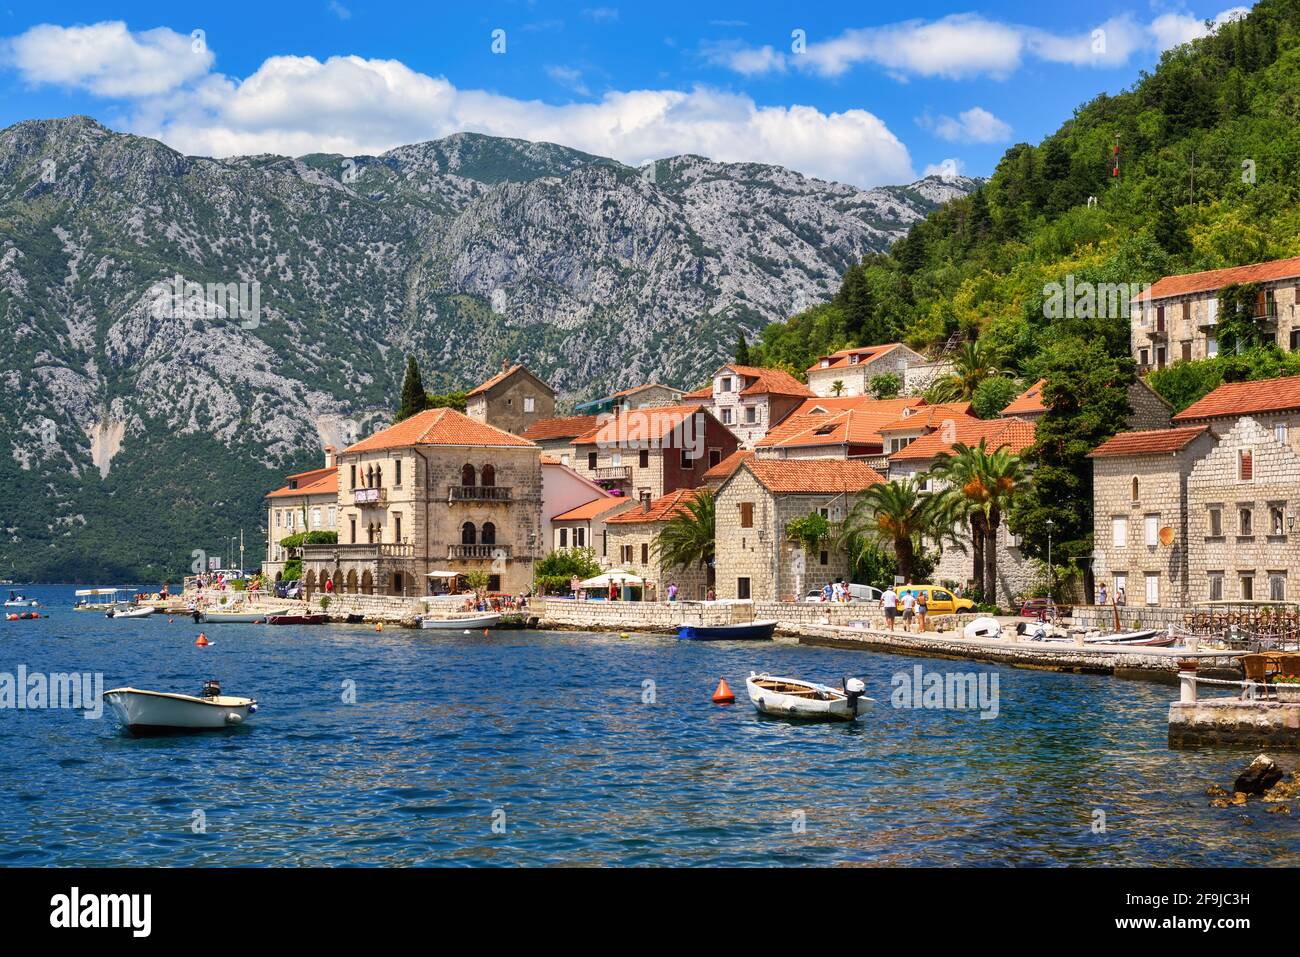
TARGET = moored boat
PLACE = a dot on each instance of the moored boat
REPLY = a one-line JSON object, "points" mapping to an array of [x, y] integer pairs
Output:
{"points": [[238, 617], [463, 621], [130, 611], [21, 601], [145, 711], [98, 599], [744, 631], [319, 619], [807, 700]]}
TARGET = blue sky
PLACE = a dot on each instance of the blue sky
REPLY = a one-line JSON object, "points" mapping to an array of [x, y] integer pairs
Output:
{"points": [[867, 94]]}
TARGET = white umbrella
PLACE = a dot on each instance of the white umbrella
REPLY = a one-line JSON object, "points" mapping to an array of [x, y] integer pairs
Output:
{"points": [[615, 577]]}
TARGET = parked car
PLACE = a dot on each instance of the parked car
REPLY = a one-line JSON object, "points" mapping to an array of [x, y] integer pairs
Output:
{"points": [[292, 589], [940, 600], [858, 594], [1036, 608]]}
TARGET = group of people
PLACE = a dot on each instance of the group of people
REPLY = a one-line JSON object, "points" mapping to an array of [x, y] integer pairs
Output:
{"points": [[1103, 596], [836, 591], [912, 603]]}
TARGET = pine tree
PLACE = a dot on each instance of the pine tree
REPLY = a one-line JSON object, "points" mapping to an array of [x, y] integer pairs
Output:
{"points": [[742, 349], [414, 398]]}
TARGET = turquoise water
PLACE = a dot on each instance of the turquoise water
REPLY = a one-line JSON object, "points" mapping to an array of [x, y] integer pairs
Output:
{"points": [[547, 735]]}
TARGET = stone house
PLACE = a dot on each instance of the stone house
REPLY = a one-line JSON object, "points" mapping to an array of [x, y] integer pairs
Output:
{"points": [[437, 492], [630, 546], [1273, 403], [754, 556], [1148, 409], [513, 400], [1177, 317], [584, 526], [564, 489], [850, 371], [719, 473], [750, 400], [307, 502], [638, 397], [836, 428], [647, 453], [1242, 500], [555, 436], [1140, 512]]}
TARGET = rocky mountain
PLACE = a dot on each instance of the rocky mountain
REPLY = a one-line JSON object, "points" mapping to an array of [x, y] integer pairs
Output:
{"points": [[178, 331]]}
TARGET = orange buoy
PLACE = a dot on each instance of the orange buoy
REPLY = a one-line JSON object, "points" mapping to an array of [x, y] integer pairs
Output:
{"points": [[485, 632], [201, 640], [723, 695], [379, 626]]}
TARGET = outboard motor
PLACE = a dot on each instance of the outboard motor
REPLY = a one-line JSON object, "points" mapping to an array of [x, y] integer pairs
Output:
{"points": [[853, 690], [211, 688]]}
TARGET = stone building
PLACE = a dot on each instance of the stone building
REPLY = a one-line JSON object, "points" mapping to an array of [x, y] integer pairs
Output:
{"points": [[514, 400], [438, 492], [1273, 403], [850, 371], [749, 400], [630, 546], [584, 525], [836, 428], [647, 453], [1148, 410], [754, 556], [638, 397], [1242, 499], [555, 436], [1140, 513], [1177, 317], [307, 502]]}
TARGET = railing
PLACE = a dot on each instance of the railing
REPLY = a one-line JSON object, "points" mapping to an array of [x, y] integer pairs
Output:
{"points": [[614, 472], [478, 551], [369, 496], [357, 551], [478, 493]]}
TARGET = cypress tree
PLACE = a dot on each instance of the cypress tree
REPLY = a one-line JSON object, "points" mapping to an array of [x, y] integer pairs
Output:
{"points": [[414, 398]]}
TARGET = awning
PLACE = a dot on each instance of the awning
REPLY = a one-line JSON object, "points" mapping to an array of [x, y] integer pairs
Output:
{"points": [[98, 591], [615, 577], [443, 574]]}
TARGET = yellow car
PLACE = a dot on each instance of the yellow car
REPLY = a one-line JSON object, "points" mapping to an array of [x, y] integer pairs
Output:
{"points": [[938, 600]]}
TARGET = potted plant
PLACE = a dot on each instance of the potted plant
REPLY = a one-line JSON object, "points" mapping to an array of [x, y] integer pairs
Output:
{"points": [[1287, 687]]}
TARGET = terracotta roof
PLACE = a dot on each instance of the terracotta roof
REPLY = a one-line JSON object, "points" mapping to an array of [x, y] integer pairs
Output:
{"points": [[853, 420], [438, 427], [316, 482], [597, 506], [661, 509], [928, 416], [1014, 434], [758, 381], [569, 427], [1212, 279], [1244, 398], [728, 465], [635, 426], [813, 476], [499, 377], [705, 392], [840, 360], [641, 388], [1028, 402], [1147, 443]]}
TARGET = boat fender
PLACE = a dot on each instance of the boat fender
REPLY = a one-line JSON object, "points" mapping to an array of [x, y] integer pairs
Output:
{"points": [[233, 718], [252, 708]]}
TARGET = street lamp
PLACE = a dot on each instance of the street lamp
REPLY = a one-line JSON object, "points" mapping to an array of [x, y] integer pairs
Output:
{"points": [[1051, 576]]}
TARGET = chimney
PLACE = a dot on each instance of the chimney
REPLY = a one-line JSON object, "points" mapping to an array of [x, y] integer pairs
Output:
{"points": [[645, 504], [329, 457], [505, 365]]}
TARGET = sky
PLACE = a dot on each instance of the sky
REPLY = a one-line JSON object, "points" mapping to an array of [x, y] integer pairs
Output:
{"points": [[862, 93]]}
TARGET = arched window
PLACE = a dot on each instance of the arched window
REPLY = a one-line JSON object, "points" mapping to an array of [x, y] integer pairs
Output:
{"points": [[467, 475], [489, 533], [1135, 489], [467, 533], [488, 476]]}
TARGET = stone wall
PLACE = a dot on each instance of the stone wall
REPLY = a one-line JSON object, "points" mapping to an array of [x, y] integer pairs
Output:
{"points": [[389, 608], [662, 615], [644, 563], [1230, 722]]}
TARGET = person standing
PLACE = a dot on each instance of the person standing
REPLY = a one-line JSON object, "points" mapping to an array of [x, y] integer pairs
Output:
{"points": [[909, 608], [1121, 599], [922, 609], [672, 591], [889, 602], [1103, 597]]}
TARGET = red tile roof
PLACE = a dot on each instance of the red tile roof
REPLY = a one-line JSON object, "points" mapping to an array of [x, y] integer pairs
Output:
{"points": [[315, 482], [1147, 443], [851, 420], [1014, 434], [1029, 402], [928, 416], [635, 426], [438, 427], [568, 427], [728, 465], [1212, 279], [840, 360], [1245, 398], [499, 377], [661, 509], [597, 506], [813, 476], [758, 381]]}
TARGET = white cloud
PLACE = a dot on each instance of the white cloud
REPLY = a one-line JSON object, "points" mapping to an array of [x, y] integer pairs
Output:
{"points": [[1174, 29], [601, 14], [947, 169], [747, 61], [340, 11], [976, 125], [568, 77], [107, 59], [294, 105]]}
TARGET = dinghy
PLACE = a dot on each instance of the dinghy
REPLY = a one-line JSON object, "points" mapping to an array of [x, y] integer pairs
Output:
{"points": [[145, 711], [237, 617], [807, 700], [21, 601], [128, 611], [745, 631], [461, 622]]}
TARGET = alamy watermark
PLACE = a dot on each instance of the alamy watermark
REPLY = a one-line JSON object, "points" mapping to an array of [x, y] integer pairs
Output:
{"points": [[1088, 300], [180, 298], [69, 691], [947, 691]]}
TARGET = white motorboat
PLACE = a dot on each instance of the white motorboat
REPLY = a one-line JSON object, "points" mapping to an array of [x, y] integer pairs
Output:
{"points": [[98, 599], [807, 700], [21, 601], [237, 617], [480, 620], [144, 711], [130, 611]]}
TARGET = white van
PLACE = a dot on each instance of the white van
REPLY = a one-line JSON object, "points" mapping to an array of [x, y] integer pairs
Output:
{"points": [[858, 594]]}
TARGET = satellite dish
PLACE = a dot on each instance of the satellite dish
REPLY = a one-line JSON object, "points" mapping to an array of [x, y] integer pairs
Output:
{"points": [[1166, 535]]}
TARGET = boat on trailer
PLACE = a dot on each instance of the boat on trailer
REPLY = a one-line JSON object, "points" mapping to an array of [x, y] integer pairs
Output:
{"points": [[807, 700], [142, 712], [744, 631], [488, 620]]}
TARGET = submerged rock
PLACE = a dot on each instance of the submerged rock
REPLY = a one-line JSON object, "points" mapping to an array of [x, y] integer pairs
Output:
{"points": [[1284, 790], [1258, 776]]}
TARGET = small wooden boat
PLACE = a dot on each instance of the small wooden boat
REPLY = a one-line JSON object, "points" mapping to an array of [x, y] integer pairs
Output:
{"points": [[480, 620], [297, 619], [806, 700], [145, 711], [237, 617], [130, 611], [745, 631]]}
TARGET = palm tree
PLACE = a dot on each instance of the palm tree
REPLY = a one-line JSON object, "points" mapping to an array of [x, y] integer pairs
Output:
{"points": [[837, 387], [982, 485], [687, 539], [973, 364], [898, 515]]}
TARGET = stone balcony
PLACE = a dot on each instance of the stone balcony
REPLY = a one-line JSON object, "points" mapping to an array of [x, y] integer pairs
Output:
{"points": [[460, 552], [369, 496], [478, 493], [614, 473], [358, 551]]}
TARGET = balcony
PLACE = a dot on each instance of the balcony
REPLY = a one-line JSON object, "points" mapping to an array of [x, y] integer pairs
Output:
{"points": [[369, 496], [614, 473], [478, 551], [478, 493], [356, 551]]}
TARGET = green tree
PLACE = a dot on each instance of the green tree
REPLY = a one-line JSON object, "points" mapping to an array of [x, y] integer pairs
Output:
{"points": [[553, 573], [414, 399], [887, 385], [742, 349], [898, 516], [687, 538], [810, 532], [993, 395], [973, 363]]}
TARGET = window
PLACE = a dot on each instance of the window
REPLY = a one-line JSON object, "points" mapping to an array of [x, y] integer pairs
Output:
{"points": [[352, 471], [1160, 357], [333, 519], [564, 458], [825, 558], [494, 583], [591, 461], [277, 518], [742, 588], [468, 535], [625, 554], [352, 522], [397, 472], [1276, 520], [579, 538], [1187, 350], [1277, 586], [643, 459], [564, 538], [1212, 310], [746, 514], [715, 456], [1216, 521], [688, 461], [1187, 311], [644, 496], [397, 529], [315, 517], [1160, 318], [1151, 530], [1295, 339], [724, 384], [1245, 465], [1119, 531], [467, 475], [853, 360], [645, 553], [529, 403], [1135, 497], [751, 414], [1279, 432], [726, 417], [1144, 357], [1153, 588], [616, 459], [487, 476], [1211, 347], [1246, 586], [1244, 525], [1216, 585], [489, 536]]}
